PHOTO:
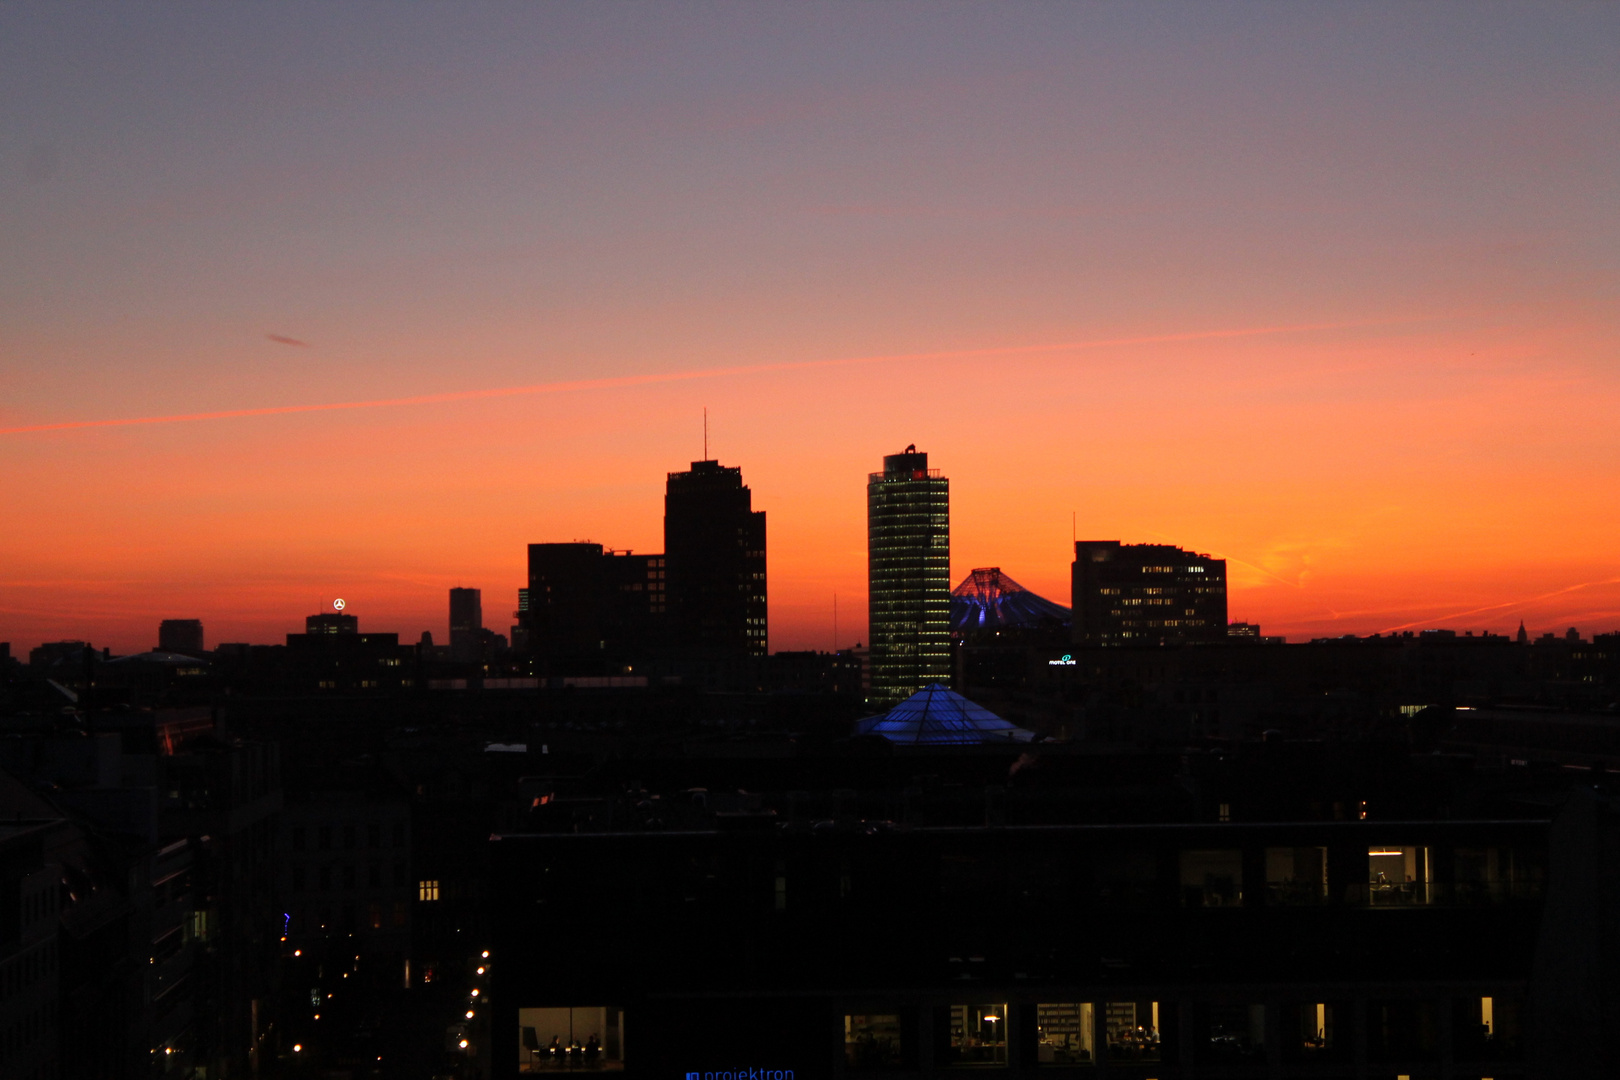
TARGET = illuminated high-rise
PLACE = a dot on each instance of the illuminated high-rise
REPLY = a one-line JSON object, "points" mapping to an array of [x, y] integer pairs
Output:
{"points": [[908, 557]]}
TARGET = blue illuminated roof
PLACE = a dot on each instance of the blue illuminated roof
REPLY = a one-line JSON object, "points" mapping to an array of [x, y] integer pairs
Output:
{"points": [[987, 599], [935, 716]]}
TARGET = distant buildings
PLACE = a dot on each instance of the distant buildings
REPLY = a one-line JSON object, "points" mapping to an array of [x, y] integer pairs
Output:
{"points": [[714, 541], [466, 625], [181, 636], [331, 622], [908, 572], [590, 610], [1146, 594]]}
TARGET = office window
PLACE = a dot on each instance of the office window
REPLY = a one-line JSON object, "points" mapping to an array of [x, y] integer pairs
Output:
{"points": [[872, 1042], [1233, 1034], [1309, 1033], [977, 1036], [1402, 1031], [1064, 1033], [427, 890], [1296, 875], [559, 1039], [1212, 878], [1132, 1030], [1487, 1029], [1397, 876]]}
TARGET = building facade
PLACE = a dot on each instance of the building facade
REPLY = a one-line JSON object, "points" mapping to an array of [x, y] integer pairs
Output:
{"points": [[1146, 594], [908, 551], [714, 541]]}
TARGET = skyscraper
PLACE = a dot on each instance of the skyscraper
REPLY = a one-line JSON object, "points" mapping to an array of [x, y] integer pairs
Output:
{"points": [[714, 541], [908, 558], [1146, 594], [466, 624]]}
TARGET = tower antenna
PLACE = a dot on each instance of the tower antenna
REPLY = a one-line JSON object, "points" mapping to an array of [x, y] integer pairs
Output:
{"points": [[835, 622], [705, 433]]}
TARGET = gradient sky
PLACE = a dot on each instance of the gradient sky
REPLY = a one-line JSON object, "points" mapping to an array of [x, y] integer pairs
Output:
{"points": [[1327, 290]]}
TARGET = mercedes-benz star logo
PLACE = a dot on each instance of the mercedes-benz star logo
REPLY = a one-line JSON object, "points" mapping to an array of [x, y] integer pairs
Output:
{"points": [[339, 604]]}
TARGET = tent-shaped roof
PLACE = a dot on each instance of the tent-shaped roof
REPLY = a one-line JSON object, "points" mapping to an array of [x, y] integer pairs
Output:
{"points": [[935, 716], [987, 599]]}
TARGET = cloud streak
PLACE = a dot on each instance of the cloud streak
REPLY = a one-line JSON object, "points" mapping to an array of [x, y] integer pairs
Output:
{"points": [[621, 381], [281, 340]]}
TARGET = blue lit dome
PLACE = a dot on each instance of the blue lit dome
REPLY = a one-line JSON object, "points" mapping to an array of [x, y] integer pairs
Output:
{"points": [[935, 716]]}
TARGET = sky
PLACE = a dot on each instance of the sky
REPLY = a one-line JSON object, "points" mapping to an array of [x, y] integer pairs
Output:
{"points": [[1326, 290]]}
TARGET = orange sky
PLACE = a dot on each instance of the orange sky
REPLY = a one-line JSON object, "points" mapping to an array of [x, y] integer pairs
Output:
{"points": [[1331, 297]]}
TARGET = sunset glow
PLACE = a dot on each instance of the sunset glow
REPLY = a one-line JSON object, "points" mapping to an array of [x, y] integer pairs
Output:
{"points": [[1344, 319]]}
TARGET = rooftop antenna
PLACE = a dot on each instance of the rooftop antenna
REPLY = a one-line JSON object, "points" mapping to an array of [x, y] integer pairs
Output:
{"points": [[835, 622], [705, 433]]}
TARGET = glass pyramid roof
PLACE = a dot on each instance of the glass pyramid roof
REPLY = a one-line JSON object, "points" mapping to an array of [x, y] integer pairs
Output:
{"points": [[935, 716]]}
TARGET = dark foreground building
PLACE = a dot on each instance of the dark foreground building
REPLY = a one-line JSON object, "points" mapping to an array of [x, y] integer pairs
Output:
{"points": [[1339, 947]]}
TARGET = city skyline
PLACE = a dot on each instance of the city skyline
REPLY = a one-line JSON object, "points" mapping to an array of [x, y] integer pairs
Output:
{"points": [[1326, 293]]}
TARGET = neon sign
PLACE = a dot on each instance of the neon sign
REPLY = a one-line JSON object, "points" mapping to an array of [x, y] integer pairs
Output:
{"points": [[1067, 661]]}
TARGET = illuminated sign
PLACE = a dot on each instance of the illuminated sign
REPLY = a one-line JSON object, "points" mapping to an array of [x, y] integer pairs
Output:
{"points": [[1067, 661], [743, 1074], [339, 604]]}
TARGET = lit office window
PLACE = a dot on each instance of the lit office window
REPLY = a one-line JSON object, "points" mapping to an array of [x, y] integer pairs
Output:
{"points": [[872, 1042], [1132, 1029], [1065, 1034], [1296, 875], [565, 1039], [1397, 876], [427, 890], [1212, 878], [978, 1036]]}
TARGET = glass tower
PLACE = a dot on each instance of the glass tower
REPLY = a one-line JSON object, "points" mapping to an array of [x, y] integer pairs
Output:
{"points": [[908, 557]]}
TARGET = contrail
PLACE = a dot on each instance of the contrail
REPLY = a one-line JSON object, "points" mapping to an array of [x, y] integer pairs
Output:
{"points": [[1511, 603], [670, 377]]}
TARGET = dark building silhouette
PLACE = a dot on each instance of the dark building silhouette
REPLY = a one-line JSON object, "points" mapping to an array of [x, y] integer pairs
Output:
{"points": [[715, 545], [181, 636], [908, 572], [1146, 594], [590, 610], [331, 622], [466, 624]]}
